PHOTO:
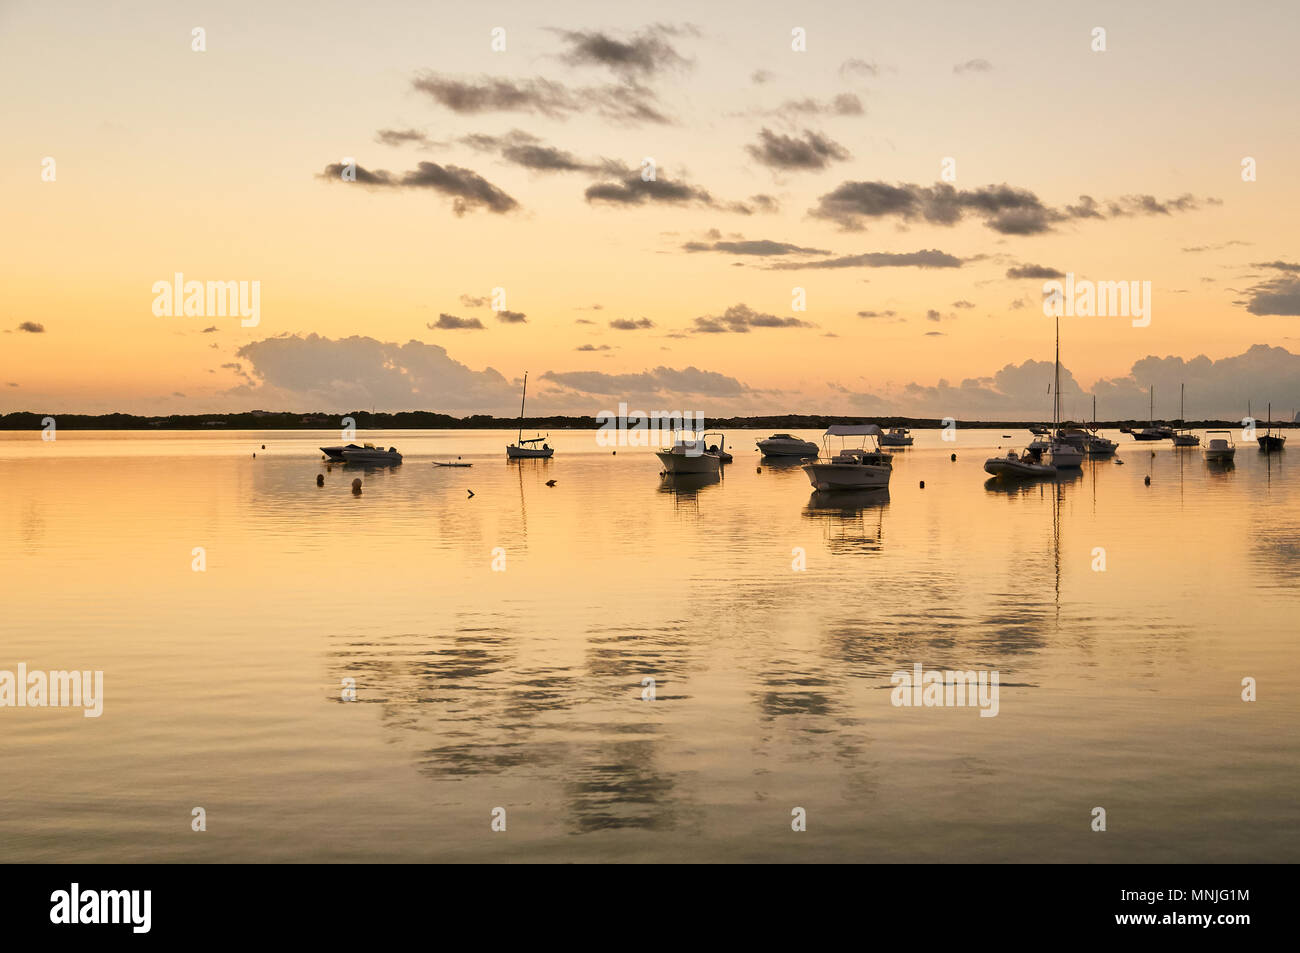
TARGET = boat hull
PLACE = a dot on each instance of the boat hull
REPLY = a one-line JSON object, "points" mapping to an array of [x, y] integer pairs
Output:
{"points": [[847, 476], [1063, 456], [1270, 442], [527, 453], [1017, 469], [681, 463], [1220, 456], [782, 448], [887, 441], [372, 459]]}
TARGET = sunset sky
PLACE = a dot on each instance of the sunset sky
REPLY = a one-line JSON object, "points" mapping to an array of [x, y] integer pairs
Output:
{"points": [[775, 169]]}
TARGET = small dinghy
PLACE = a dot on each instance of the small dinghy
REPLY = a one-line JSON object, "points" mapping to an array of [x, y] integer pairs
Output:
{"points": [[457, 464]]}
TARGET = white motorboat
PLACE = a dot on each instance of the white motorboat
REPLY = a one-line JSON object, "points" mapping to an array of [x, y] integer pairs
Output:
{"points": [[1063, 455], [1219, 447], [784, 445], [896, 437], [857, 468], [693, 455], [523, 449], [1018, 465], [371, 454]]}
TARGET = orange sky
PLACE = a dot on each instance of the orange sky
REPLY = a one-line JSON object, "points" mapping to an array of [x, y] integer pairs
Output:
{"points": [[211, 163]]}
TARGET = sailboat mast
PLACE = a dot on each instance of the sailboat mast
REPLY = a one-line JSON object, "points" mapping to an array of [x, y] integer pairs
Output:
{"points": [[1056, 401], [523, 397], [1181, 390]]}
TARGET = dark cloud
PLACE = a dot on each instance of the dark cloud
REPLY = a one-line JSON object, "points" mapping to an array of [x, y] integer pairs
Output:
{"points": [[933, 315], [963, 304], [642, 55], [630, 324], [762, 247], [1278, 295], [876, 314], [526, 150], [32, 327], [213, 329], [973, 66], [1005, 209], [623, 102], [789, 153], [468, 189], [449, 322], [593, 347], [1034, 271], [1218, 247], [740, 319], [512, 317], [400, 137], [926, 258], [632, 189], [472, 301]]}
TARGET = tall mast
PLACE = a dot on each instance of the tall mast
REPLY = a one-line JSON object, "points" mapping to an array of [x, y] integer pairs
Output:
{"points": [[1056, 402], [523, 397], [1181, 418], [1151, 411]]}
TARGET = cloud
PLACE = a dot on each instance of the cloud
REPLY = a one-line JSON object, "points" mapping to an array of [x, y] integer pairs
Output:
{"points": [[963, 304], [468, 189], [512, 317], [1003, 208], [1279, 295], [690, 381], [858, 67], [789, 153], [213, 329], [740, 319], [624, 102], [473, 301], [400, 137], [632, 190], [526, 150], [761, 247], [593, 347], [32, 327], [845, 104], [643, 55], [449, 322], [926, 258], [1034, 271], [973, 66], [876, 314], [326, 374], [761, 76], [1218, 247], [629, 324], [933, 315]]}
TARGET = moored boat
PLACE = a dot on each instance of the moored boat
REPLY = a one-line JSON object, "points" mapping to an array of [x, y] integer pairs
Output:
{"points": [[896, 437], [785, 445], [692, 455], [856, 468], [1018, 465]]}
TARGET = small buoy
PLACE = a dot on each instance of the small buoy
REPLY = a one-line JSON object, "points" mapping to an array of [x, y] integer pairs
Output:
{"points": [[550, 483], [758, 469], [923, 484], [263, 446], [254, 456], [320, 479], [613, 453], [1147, 481], [471, 494], [356, 487], [954, 456]]}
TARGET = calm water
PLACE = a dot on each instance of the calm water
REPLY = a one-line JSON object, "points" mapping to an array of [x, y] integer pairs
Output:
{"points": [[523, 688]]}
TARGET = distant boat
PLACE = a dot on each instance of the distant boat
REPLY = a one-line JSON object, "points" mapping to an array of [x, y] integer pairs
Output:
{"points": [[1151, 431], [692, 455], [857, 468], [1270, 442], [1184, 437], [1094, 444], [437, 464], [523, 449], [784, 445], [1061, 454], [372, 455], [896, 437], [336, 453], [1219, 449]]}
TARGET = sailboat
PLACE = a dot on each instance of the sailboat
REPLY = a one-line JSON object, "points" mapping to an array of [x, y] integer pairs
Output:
{"points": [[1269, 441], [1061, 454], [521, 448], [1094, 444], [1151, 431], [1184, 437]]}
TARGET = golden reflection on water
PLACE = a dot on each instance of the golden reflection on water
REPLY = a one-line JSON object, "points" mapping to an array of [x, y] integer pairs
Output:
{"points": [[523, 688]]}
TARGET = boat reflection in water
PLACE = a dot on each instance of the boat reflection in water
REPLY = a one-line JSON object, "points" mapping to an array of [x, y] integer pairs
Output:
{"points": [[849, 502], [1022, 487], [688, 484]]}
